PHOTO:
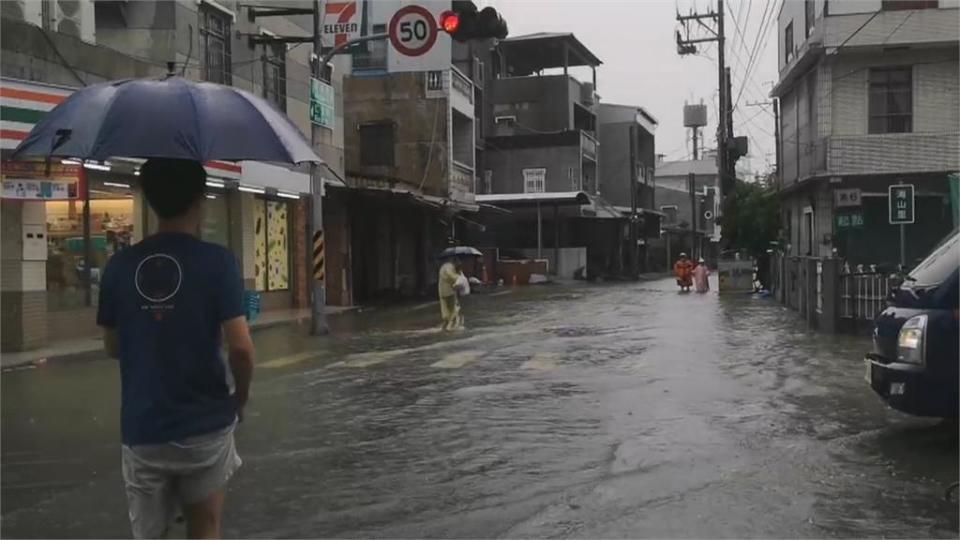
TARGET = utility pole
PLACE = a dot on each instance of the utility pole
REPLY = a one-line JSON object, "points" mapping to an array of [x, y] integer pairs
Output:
{"points": [[776, 140], [318, 315], [696, 149], [692, 187], [634, 258], [685, 46], [318, 321], [776, 131]]}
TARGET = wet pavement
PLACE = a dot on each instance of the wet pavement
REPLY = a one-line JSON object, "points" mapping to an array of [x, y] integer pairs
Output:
{"points": [[618, 410]]}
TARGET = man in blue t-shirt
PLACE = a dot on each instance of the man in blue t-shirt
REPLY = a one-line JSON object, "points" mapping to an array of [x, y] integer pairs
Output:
{"points": [[166, 306]]}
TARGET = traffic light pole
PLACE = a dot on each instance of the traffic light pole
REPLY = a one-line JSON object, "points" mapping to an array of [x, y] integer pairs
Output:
{"points": [[634, 256], [725, 121], [318, 315]]}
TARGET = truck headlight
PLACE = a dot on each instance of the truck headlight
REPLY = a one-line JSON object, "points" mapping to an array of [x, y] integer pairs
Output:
{"points": [[910, 342]]}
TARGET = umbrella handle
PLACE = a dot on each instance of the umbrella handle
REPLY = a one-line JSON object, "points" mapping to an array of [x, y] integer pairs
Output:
{"points": [[61, 136]]}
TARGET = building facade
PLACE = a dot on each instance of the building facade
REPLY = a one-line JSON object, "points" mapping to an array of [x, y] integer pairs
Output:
{"points": [[679, 206], [869, 97], [619, 151], [259, 211], [543, 154], [411, 158]]}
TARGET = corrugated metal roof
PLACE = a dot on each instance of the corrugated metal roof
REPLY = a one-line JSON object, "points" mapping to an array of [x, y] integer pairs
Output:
{"points": [[575, 197]]}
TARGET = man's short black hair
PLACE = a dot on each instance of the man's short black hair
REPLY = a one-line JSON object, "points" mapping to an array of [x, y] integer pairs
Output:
{"points": [[172, 186]]}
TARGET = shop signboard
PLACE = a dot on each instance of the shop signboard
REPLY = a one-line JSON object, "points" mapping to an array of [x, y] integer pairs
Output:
{"points": [[36, 181], [846, 197], [850, 220]]}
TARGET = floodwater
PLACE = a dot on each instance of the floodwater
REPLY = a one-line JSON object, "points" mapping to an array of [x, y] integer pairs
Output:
{"points": [[624, 410]]}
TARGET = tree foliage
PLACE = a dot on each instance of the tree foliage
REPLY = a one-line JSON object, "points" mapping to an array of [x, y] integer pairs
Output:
{"points": [[753, 221]]}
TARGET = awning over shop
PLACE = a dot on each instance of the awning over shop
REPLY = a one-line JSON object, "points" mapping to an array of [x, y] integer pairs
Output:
{"points": [[626, 211], [566, 198], [282, 178]]}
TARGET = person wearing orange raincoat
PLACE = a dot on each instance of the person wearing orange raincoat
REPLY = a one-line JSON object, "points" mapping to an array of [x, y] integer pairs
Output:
{"points": [[683, 270]]}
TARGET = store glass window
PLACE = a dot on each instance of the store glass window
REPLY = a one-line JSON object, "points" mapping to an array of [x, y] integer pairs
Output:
{"points": [[216, 220], [271, 246], [112, 225]]}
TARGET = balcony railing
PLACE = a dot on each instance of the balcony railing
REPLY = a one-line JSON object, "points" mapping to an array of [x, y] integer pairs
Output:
{"points": [[589, 145], [461, 84], [369, 60], [890, 153]]}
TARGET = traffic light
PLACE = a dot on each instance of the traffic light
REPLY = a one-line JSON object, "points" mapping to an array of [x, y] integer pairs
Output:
{"points": [[464, 22]]}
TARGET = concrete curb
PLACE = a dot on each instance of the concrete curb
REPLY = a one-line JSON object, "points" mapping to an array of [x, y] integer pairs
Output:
{"points": [[92, 348]]}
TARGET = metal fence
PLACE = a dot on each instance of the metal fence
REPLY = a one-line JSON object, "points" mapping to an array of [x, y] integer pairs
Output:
{"points": [[863, 294]]}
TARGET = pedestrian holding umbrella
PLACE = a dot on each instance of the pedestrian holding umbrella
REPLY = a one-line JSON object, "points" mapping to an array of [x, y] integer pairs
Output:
{"points": [[167, 303], [460, 251], [452, 284]]}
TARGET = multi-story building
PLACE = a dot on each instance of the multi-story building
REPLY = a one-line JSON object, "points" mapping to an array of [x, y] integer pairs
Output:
{"points": [[50, 49], [411, 154], [619, 151], [869, 97], [542, 155], [674, 200]]}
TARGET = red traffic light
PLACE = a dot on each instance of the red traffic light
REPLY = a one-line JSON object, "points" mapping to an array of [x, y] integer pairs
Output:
{"points": [[450, 22]]}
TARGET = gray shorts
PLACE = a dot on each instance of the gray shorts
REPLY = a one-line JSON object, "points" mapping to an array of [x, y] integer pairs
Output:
{"points": [[160, 478]]}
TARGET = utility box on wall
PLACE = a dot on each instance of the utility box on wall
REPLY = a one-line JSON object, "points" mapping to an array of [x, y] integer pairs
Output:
{"points": [[735, 275], [34, 242]]}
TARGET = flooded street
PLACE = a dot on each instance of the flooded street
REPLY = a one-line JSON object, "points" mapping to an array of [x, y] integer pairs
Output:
{"points": [[624, 410]]}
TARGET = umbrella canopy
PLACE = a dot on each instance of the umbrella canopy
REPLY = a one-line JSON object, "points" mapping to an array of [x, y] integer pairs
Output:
{"points": [[460, 251], [169, 118]]}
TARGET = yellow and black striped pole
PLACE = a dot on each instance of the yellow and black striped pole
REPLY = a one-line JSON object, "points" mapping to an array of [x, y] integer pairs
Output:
{"points": [[318, 266]]}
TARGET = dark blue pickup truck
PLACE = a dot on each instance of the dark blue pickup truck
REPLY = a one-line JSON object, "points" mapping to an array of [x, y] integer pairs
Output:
{"points": [[915, 358]]}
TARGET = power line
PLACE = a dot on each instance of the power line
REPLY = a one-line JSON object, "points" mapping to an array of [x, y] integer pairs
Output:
{"points": [[760, 45]]}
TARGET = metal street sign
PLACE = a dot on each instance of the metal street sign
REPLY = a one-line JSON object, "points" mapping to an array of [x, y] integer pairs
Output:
{"points": [[322, 103], [416, 43], [850, 221], [846, 197], [901, 204], [413, 30]]}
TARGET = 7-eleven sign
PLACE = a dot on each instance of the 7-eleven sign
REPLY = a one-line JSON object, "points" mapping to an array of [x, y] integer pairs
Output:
{"points": [[341, 22]]}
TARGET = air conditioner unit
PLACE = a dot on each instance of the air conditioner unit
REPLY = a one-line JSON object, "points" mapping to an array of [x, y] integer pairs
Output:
{"points": [[74, 18], [587, 94]]}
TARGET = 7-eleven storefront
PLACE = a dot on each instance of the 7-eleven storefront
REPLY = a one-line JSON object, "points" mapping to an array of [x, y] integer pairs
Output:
{"points": [[62, 218]]}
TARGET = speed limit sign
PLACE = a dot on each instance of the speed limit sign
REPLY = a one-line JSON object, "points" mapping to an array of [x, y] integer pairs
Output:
{"points": [[413, 30]]}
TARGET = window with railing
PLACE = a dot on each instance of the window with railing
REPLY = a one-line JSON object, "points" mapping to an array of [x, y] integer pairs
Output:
{"points": [[275, 74], [788, 43], [891, 100], [374, 56], [462, 84], [215, 44], [669, 214]]}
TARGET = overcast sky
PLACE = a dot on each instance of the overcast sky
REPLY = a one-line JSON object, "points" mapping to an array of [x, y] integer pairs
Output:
{"points": [[635, 41]]}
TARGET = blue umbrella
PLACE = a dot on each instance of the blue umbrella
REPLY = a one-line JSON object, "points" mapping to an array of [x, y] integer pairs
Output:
{"points": [[171, 118]]}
